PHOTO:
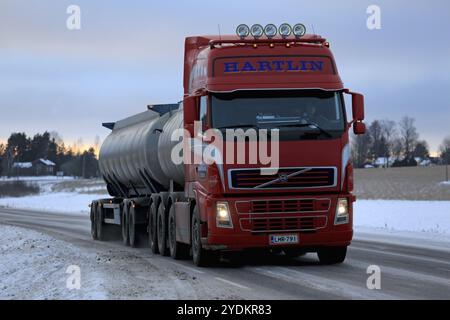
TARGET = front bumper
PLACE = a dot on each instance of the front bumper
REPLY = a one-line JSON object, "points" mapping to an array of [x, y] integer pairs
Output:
{"points": [[314, 225]]}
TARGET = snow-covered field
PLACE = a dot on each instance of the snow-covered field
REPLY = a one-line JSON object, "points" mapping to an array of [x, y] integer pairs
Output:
{"points": [[53, 202], [403, 215], [57, 194]]}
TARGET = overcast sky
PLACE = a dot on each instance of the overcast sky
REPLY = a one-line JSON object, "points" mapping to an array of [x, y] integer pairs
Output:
{"points": [[130, 53]]}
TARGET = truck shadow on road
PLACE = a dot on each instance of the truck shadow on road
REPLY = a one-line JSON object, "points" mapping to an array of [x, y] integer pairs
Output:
{"points": [[244, 259]]}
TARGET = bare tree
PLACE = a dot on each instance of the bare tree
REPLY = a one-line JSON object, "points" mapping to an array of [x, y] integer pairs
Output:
{"points": [[360, 150], [376, 139], [389, 131], [422, 150], [56, 137], [408, 136]]}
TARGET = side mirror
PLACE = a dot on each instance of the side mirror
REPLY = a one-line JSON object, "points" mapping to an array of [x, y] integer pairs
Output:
{"points": [[190, 113], [359, 127], [357, 106]]}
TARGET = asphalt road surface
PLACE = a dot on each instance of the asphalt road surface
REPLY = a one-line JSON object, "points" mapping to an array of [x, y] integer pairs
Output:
{"points": [[409, 270]]}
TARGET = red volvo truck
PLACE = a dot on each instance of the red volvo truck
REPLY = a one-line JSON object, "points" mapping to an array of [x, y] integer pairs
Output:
{"points": [[261, 78]]}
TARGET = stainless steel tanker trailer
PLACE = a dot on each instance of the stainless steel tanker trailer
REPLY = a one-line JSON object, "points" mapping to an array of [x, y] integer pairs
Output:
{"points": [[135, 162]]}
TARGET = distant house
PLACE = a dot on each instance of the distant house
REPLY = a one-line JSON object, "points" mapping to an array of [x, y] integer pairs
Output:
{"points": [[44, 167], [383, 162], [39, 167], [22, 169]]}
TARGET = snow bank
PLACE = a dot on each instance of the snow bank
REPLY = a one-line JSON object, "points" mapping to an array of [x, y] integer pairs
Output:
{"points": [[400, 215], [34, 265], [54, 202]]}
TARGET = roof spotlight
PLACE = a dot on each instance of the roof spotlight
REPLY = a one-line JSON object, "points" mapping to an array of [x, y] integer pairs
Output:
{"points": [[299, 30], [242, 31], [257, 31], [270, 30], [285, 30]]}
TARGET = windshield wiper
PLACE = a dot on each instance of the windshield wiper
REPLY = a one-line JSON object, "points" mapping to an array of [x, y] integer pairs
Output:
{"points": [[238, 126], [302, 125]]}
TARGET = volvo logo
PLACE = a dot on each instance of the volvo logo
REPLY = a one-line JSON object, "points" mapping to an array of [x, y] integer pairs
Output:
{"points": [[283, 178]]}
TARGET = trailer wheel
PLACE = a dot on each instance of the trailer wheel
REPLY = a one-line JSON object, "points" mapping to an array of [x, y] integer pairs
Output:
{"points": [[162, 231], [93, 221], [152, 230], [332, 255], [124, 224], [177, 249], [132, 227], [200, 256], [99, 223]]}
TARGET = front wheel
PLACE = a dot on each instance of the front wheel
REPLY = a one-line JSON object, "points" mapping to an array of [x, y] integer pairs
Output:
{"points": [[200, 256], [332, 255]]}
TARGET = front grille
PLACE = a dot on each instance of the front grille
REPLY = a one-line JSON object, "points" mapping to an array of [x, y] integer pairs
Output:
{"points": [[285, 178], [287, 206], [310, 224]]}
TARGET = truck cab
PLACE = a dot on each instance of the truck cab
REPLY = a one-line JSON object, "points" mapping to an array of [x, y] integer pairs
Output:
{"points": [[291, 85]]}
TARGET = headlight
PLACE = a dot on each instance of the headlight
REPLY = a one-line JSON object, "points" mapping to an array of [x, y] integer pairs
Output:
{"points": [[257, 31], [223, 216], [342, 212], [242, 31], [270, 30], [285, 30], [299, 30]]}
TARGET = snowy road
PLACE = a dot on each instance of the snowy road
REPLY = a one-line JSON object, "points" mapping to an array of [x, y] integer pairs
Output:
{"points": [[410, 269]]}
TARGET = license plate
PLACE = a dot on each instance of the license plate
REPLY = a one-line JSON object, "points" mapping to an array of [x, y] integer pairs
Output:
{"points": [[277, 239]]}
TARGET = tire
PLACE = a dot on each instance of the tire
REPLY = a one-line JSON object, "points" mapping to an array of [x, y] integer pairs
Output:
{"points": [[162, 231], [93, 221], [101, 234], [124, 225], [200, 256], [332, 255], [132, 232], [152, 229], [177, 249]]}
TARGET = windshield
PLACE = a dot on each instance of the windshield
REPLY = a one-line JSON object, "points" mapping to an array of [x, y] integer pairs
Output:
{"points": [[300, 114]]}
